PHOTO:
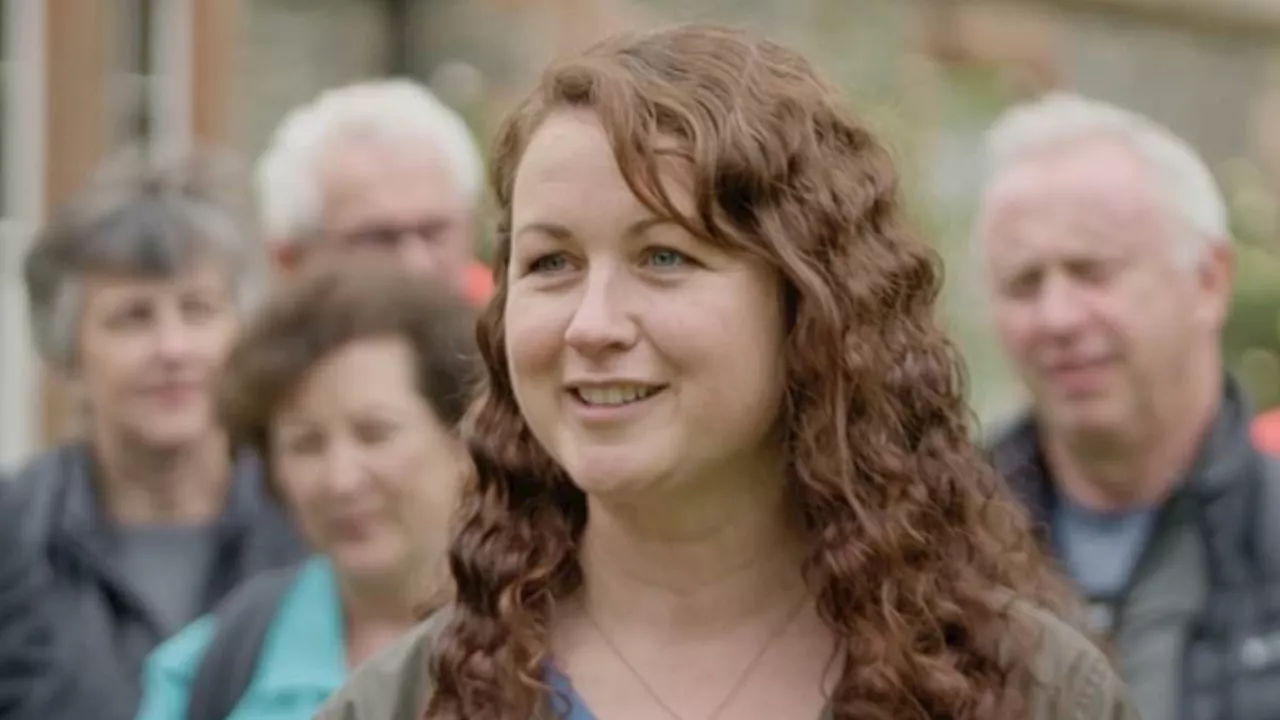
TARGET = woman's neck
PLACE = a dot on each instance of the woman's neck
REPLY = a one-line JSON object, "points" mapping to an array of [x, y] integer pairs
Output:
{"points": [[729, 557], [696, 605], [143, 485], [375, 613]]}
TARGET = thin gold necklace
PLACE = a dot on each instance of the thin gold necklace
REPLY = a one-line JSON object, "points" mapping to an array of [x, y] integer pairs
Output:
{"points": [[737, 684]]}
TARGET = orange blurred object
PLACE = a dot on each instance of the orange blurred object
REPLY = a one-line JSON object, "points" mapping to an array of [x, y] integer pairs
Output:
{"points": [[1266, 432], [478, 285]]}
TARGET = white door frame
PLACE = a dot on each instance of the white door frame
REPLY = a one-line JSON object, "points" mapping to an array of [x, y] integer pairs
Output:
{"points": [[171, 96], [24, 173]]}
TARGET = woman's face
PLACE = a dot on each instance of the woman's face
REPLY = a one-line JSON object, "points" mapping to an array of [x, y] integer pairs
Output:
{"points": [[148, 351], [365, 465], [642, 358]]}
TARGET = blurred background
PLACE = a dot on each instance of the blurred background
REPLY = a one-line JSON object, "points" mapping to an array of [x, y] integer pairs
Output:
{"points": [[81, 77]]}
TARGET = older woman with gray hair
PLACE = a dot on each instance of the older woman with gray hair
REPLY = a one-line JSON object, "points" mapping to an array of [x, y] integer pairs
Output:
{"points": [[136, 290]]}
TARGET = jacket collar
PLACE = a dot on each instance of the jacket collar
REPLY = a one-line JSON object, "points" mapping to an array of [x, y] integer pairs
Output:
{"points": [[80, 512], [304, 649], [1225, 461]]}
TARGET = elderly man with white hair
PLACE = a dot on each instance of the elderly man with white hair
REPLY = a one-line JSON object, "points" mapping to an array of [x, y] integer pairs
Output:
{"points": [[1105, 244], [381, 165]]}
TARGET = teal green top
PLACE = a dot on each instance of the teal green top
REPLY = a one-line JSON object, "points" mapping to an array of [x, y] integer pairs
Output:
{"points": [[303, 660]]}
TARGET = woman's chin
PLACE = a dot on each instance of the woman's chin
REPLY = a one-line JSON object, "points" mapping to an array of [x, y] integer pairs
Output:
{"points": [[174, 431], [605, 468], [367, 561], [613, 485]]}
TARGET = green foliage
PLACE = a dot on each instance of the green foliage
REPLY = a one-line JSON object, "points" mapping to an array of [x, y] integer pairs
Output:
{"points": [[1251, 339]]}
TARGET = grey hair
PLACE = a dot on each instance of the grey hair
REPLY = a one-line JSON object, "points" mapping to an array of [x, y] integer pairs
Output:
{"points": [[1186, 185], [140, 217], [288, 178]]}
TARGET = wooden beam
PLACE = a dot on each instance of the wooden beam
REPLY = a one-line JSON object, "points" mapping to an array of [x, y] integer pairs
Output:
{"points": [[77, 132], [213, 65], [1235, 17], [76, 94]]}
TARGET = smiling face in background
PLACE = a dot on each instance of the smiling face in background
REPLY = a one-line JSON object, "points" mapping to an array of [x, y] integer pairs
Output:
{"points": [[1096, 297], [642, 358], [148, 351], [364, 463]]}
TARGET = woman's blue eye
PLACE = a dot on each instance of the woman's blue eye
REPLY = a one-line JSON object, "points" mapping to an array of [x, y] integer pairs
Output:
{"points": [[548, 263], [663, 257]]}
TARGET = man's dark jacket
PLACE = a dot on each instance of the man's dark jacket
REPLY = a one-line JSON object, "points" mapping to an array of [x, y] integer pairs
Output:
{"points": [[1197, 629]]}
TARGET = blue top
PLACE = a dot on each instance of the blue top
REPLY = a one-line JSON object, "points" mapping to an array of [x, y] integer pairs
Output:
{"points": [[1100, 549], [303, 660], [564, 700]]}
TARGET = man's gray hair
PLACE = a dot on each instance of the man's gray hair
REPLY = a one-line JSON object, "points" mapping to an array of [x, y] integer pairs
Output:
{"points": [[144, 218], [1185, 184], [288, 178]]}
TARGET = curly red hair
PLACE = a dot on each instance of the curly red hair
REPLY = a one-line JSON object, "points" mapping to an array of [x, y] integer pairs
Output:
{"points": [[916, 551]]}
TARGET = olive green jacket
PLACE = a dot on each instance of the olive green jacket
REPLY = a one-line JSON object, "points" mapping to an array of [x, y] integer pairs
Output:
{"points": [[1071, 680]]}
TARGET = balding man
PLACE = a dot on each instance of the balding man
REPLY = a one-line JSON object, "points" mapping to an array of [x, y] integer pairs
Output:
{"points": [[1105, 244], [381, 166]]}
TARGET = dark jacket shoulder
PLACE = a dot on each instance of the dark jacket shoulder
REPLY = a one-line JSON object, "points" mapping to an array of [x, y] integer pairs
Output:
{"points": [[37, 485], [32, 681]]}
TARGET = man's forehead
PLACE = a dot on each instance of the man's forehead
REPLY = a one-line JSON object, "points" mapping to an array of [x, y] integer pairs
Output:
{"points": [[375, 178], [367, 154], [1094, 199], [1092, 182], [1093, 167]]}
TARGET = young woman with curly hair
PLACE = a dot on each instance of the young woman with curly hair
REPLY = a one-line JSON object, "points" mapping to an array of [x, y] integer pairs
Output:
{"points": [[723, 464]]}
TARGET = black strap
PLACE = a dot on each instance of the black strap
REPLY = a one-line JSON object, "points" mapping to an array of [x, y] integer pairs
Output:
{"points": [[1265, 540], [240, 627]]}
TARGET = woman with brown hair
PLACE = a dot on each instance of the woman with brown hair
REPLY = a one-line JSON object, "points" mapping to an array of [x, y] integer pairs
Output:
{"points": [[350, 384], [723, 464]]}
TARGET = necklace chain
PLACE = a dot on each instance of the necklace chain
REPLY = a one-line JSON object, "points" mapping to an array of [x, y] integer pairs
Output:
{"points": [[738, 684]]}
